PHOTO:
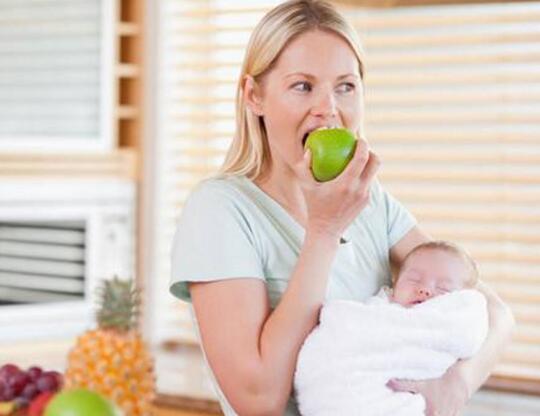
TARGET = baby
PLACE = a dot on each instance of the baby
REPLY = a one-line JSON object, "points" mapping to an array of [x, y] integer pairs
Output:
{"points": [[416, 331], [433, 269]]}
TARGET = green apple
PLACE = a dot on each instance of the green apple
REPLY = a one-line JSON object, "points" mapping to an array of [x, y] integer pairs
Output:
{"points": [[331, 151], [80, 402]]}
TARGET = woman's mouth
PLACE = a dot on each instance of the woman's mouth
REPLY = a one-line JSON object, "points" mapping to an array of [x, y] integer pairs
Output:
{"points": [[304, 138]]}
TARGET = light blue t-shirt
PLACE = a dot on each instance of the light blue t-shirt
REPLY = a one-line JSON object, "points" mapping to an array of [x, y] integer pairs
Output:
{"points": [[230, 228]]}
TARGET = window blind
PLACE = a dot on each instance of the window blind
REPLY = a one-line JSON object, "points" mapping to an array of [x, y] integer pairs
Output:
{"points": [[452, 108], [41, 262], [201, 49], [56, 66]]}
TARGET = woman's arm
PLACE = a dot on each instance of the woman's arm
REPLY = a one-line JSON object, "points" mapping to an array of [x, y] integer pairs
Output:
{"points": [[413, 238], [449, 393], [252, 350], [476, 370]]}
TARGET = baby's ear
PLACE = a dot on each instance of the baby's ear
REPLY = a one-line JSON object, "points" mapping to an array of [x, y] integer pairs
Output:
{"points": [[473, 283], [394, 272]]}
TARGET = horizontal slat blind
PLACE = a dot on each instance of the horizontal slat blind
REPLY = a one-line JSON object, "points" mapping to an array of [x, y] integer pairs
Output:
{"points": [[51, 66], [41, 262], [490, 403], [118, 164], [202, 47], [452, 107]]}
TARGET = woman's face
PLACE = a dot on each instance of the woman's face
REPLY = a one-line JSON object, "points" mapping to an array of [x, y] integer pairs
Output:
{"points": [[315, 82]]}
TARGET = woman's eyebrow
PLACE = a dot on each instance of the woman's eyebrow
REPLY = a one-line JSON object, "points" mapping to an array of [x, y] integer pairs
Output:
{"points": [[311, 76]]}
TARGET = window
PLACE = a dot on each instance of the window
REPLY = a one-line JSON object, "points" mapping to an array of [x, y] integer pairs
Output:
{"points": [[453, 109], [453, 105], [56, 75], [201, 50]]}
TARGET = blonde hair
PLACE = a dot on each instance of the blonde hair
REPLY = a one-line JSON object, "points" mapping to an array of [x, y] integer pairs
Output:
{"points": [[449, 248], [249, 151]]}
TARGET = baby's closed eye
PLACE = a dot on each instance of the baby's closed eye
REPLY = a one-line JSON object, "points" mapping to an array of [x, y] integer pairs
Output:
{"points": [[443, 289]]}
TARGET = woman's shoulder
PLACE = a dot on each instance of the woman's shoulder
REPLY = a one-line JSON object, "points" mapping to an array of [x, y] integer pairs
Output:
{"points": [[219, 194], [217, 188]]}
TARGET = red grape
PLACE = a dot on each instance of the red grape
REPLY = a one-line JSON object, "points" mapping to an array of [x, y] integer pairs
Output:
{"points": [[9, 394], [59, 379], [30, 391], [47, 381], [3, 388], [34, 372], [18, 381], [7, 371], [24, 386], [21, 402]]}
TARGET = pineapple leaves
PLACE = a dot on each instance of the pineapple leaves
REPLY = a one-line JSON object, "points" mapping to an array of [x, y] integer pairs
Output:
{"points": [[118, 304]]}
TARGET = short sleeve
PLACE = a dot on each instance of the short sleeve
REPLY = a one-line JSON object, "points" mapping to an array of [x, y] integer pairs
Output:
{"points": [[213, 241], [398, 218]]}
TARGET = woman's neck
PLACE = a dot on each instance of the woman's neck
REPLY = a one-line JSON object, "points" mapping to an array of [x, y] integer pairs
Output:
{"points": [[284, 188]]}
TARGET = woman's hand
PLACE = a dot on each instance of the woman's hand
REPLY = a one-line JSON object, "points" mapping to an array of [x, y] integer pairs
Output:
{"points": [[445, 396], [333, 205]]}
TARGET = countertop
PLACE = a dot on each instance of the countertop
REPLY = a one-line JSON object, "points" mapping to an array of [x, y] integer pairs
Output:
{"points": [[181, 379]]}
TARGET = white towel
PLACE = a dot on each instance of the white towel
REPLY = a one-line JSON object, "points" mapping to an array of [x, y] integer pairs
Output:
{"points": [[346, 361]]}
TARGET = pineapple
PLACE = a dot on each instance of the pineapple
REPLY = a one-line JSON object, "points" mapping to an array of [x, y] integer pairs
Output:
{"points": [[113, 359]]}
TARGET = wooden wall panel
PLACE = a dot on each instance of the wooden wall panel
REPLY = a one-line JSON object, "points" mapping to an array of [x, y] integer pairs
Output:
{"points": [[398, 3]]}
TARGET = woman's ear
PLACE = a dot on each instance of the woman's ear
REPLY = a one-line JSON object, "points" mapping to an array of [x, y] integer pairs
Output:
{"points": [[253, 95]]}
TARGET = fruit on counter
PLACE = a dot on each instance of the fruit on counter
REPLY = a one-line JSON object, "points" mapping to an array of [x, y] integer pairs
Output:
{"points": [[7, 408], [331, 151], [37, 406], [80, 402], [113, 359], [18, 387]]}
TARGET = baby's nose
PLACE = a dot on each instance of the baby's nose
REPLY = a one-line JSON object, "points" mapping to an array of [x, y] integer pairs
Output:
{"points": [[424, 292]]}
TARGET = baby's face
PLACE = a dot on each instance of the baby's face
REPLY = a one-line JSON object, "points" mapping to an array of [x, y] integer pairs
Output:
{"points": [[428, 273]]}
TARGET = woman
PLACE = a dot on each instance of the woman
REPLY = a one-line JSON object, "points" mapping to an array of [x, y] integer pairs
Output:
{"points": [[261, 246]]}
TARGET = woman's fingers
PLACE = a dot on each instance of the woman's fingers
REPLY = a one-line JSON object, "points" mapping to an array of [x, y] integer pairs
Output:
{"points": [[370, 170], [303, 169], [357, 163], [403, 385]]}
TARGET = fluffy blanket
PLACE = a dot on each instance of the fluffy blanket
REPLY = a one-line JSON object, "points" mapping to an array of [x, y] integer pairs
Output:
{"points": [[346, 361]]}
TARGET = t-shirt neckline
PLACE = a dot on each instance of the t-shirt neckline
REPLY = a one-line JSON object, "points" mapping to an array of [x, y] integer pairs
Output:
{"points": [[281, 209]]}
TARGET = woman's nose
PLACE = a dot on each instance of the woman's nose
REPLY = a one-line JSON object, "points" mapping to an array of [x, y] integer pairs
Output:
{"points": [[325, 105]]}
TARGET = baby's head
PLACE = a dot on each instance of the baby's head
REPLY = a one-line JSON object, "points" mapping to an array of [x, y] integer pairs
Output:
{"points": [[432, 269]]}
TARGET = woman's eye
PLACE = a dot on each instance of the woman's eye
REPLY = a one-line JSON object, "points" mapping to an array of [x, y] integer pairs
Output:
{"points": [[301, 83], [350, 86]]}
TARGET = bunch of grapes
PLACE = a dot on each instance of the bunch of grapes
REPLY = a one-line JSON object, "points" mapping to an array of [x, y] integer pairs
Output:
{"points": [[22, 386]]}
